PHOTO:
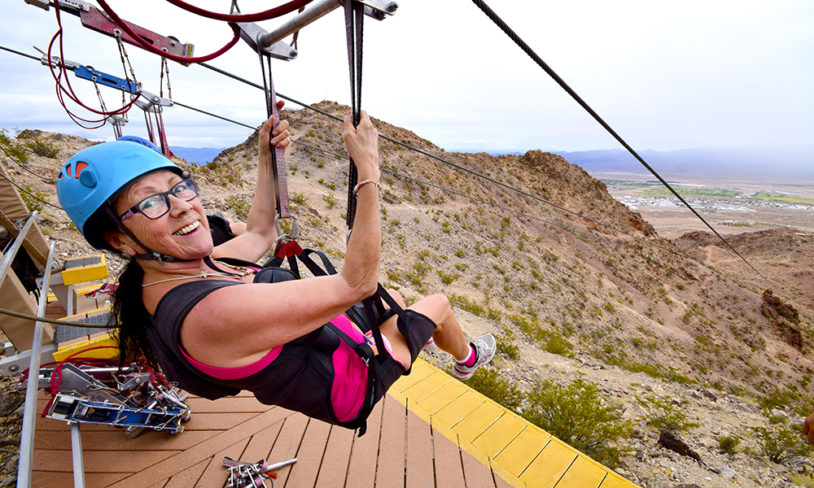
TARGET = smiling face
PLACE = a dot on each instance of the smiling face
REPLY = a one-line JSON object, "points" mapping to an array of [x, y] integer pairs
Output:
{"points": [[182, 232]]}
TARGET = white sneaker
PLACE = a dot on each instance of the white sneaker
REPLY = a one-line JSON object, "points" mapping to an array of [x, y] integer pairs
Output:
{"points": [[485, 347]]}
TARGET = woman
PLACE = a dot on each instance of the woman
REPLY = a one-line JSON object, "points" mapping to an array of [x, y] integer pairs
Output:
{"points": [[217, 329]]}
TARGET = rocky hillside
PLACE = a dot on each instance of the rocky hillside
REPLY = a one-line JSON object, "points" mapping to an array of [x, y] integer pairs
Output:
{"points": [[662, 328]]}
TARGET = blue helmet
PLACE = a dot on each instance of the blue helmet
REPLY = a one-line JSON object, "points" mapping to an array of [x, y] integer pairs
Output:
{"points": [[142, 141], [93, 176]]}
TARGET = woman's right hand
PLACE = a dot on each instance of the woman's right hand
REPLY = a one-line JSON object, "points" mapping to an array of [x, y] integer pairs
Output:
{"points": [[362, 144]]}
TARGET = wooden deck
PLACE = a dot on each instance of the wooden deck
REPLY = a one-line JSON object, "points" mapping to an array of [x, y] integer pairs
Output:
{"points": [[399, 449], [430, 430]]}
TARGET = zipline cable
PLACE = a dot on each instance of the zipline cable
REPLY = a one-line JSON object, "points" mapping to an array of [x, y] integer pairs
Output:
{"points": [[408, 146], [537, 59]]}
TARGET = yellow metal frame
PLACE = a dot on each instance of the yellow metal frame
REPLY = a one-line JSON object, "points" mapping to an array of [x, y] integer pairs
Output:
{"points": [[101, 338], [81, 274]]}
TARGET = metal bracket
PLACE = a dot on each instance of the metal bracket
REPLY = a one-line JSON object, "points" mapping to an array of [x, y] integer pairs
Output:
{"points": [[95, 19], [379, 9], [150, 102], [72, 6], [253, 33], [14, 365], [92, 74]]}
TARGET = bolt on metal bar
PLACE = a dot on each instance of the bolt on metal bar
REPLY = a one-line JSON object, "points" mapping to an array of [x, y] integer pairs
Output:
{"points": [[374, 8], [5, 264], [29, 417]]}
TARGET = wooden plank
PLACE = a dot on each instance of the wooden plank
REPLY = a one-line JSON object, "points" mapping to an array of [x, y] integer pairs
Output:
{"points": [[613, 480], [419, 458], [49, 479], [365, 451], [457, 410], [98, 461], [217, 421], [419, 371], [442, 397], [309, 455], [478, 421], [583, 473], [500, 434], [390, 469], [550, 465], [523, 449], [115, 440], [502, 483], [448, 468], [260, 445], [476, 474], [335, 463], [188, 477], [426, 386], [287, 444], [171, 465], [227, 404], [215, 474]]}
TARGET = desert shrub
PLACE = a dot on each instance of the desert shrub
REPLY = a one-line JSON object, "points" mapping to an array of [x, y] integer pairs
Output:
{"points": [[663, 414], [12, 149], [42, 148], [448, 278], [506, 345], [329, 199], [502, 390], [240, 206], [33, 199], [576, 414], [778, 442], [728, 443]]}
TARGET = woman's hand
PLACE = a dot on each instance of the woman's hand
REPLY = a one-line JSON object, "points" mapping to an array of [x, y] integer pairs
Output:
{"points": [[280, 138], [362, 144]]}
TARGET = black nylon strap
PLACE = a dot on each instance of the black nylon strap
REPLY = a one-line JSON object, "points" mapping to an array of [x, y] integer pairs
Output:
{"points": [[354, 29]]}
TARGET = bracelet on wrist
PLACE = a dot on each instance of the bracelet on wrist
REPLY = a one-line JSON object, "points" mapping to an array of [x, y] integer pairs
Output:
{"points": [[363, 183]]}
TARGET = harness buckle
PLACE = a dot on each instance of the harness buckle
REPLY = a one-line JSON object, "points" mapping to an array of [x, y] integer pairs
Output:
{"points": [[283, 237]]}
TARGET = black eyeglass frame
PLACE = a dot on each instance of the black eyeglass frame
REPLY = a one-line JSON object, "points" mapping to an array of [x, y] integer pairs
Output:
{"points": [[189, 182]]}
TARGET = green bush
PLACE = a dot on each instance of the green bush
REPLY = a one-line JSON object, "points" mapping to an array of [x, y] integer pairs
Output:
{"points": [[728, 443], [240, 206], [778, 442], [506, 345], [12, 149], [42, 148], [663, 414], [33, 199], [575, 414], [502, 390]]}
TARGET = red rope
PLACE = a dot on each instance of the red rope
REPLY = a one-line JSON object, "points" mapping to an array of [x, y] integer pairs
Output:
{"points": [[149, 47], [65, 90], [255, 17]]}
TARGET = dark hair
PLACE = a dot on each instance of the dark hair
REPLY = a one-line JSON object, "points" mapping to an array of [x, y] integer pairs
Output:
{"points": [[132, 317]]}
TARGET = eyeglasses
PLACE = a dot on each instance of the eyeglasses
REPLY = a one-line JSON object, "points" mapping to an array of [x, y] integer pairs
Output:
{"points": [[157, 205]]}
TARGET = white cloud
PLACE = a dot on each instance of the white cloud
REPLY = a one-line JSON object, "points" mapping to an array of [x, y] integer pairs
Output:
{"points": [[665, 76]]}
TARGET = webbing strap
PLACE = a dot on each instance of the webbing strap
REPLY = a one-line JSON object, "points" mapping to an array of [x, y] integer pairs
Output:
{"points": [[354, 28], [277, 155]]}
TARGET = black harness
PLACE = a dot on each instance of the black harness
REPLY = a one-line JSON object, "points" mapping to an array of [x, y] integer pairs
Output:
{"points": [[300, 378]]}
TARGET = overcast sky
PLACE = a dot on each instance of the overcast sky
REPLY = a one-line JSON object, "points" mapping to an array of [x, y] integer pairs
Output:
{"points": [[712, 73]]}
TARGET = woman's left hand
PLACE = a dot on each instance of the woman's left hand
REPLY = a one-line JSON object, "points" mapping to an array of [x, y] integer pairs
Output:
{"points": [[280, 138]]}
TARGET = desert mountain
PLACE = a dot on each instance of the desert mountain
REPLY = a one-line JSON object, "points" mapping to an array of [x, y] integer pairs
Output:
{"points": [[573, 283]]}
